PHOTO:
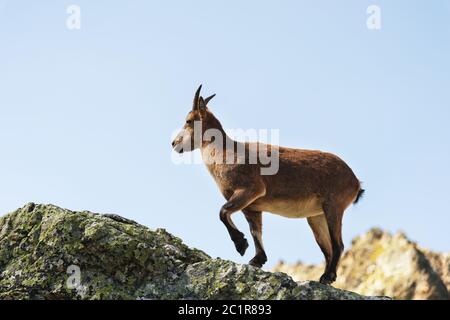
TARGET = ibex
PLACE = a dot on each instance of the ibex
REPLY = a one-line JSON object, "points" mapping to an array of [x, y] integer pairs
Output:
{"points": [[309, 184]]}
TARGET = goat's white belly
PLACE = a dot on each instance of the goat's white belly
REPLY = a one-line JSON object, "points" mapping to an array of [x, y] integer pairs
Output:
{"points": [[293, 208]]}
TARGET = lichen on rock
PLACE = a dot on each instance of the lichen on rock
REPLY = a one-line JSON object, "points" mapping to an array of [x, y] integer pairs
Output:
{"points": [[379, 263], [51, 253]]}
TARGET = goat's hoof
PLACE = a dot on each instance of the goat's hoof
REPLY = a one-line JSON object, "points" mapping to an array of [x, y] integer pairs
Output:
{"points": [[241, 245], [328, 278], [257, 261]]}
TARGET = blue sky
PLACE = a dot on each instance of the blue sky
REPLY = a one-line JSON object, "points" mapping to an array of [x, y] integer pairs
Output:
{"points": [[86, 116]]}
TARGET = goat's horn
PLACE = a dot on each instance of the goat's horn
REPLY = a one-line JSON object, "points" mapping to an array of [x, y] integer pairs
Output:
{"points": [[197, 95], [209, 98]]}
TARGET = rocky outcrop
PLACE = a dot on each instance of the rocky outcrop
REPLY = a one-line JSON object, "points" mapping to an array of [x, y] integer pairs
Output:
{"points": [[440, 262], [379, 263], [51, 253]]}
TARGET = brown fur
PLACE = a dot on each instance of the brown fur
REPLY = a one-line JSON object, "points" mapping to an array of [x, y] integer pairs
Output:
{"points": [[312, 184]]}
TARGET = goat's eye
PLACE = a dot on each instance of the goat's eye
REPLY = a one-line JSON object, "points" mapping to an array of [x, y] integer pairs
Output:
{"points": [[188, 121]]}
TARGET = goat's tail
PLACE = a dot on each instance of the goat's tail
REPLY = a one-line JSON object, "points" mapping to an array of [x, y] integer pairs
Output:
{"points": [[359, 196]]}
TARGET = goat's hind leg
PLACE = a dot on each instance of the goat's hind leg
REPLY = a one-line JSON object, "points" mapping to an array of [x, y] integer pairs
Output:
{"points": [[333, 214], [238, 201], [319, 226]]}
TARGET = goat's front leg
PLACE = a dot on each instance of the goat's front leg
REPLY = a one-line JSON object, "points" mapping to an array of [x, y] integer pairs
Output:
{"points": [[239, 200], [254, 219]]}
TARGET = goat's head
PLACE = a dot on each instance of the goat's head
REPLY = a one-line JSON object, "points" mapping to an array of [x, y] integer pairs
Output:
{"points": [[190, 136]]}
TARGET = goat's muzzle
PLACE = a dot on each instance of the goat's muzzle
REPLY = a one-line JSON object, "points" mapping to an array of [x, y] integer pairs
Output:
{"points": [[176, 145]]}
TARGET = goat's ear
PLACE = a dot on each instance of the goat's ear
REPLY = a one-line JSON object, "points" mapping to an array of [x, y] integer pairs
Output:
{"points": [[202, 107], [209, 98]]}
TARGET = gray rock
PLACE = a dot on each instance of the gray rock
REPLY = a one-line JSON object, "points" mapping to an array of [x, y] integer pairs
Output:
{"points": [[51, 253]]}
